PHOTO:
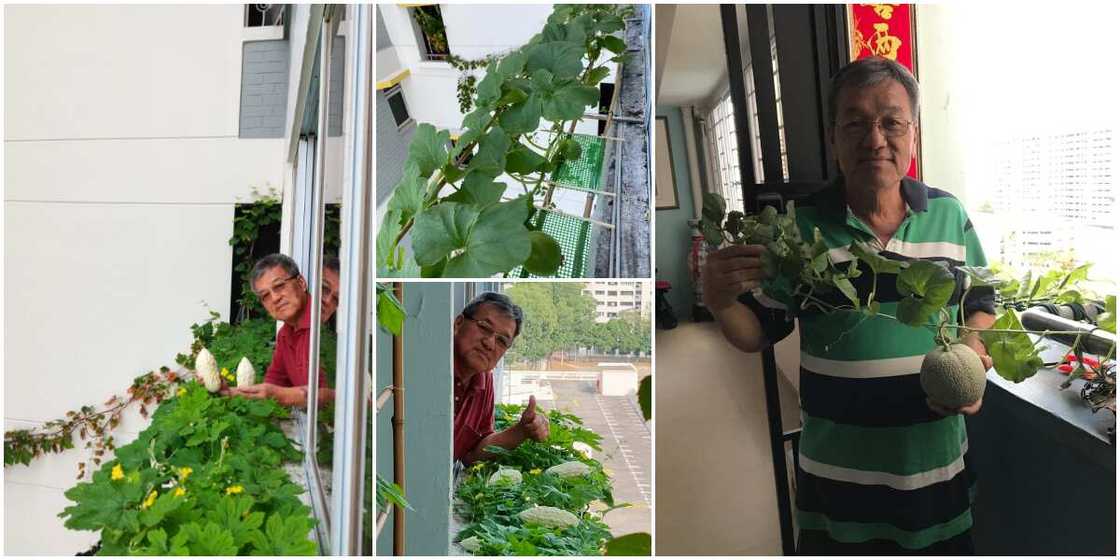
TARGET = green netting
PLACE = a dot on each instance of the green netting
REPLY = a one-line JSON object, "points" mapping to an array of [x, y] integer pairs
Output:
{"points": [[574, 236], [585, 172]]}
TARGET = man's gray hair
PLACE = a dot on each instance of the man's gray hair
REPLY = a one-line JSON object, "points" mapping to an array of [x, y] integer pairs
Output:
{"points": [[272, 261], [869, 72], [501, 302]]}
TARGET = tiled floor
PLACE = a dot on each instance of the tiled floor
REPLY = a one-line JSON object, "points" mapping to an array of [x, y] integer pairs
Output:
{"points": [[715, 487]]}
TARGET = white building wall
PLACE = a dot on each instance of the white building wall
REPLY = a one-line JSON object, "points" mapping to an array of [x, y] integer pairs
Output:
{"points": [[123, 168]]}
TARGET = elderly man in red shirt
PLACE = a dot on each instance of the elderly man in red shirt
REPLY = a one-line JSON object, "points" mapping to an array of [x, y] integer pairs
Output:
{"points": [[282, 291], [483, 332]]}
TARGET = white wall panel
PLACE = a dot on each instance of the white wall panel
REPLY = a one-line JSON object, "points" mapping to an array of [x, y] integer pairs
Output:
{"points": [[165, 171], [122, 71], [32, 525], [99, 294]]}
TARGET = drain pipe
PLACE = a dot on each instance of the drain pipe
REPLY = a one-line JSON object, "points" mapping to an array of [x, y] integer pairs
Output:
{"points": [[398, 429]]}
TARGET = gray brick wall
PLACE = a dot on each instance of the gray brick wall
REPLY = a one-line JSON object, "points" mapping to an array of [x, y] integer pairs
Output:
{"points": [[338, 76], [382, 35], [391, 147], [264, 89]]}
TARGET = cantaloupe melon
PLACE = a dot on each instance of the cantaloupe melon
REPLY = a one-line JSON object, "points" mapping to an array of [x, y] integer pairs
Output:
{"points": [[953, 378]]}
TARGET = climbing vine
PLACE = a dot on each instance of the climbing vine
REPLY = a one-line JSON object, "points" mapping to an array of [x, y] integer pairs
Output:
{"points": [[472, 232], [803, 277], [264, 213]]}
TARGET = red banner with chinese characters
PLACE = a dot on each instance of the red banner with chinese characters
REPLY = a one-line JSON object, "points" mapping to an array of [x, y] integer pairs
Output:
{"points": [[885, 30]]}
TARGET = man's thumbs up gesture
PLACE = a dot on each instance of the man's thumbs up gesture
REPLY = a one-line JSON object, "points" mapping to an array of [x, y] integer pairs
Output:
{"points": [[532, 424]]}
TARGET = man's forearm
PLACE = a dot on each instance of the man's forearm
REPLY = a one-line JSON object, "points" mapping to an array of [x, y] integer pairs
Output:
{"points": [[741, 328], [297, 396], [508, 438]]}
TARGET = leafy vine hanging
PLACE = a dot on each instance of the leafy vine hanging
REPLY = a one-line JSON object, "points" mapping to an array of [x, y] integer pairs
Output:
{"points": [[472, 232]]}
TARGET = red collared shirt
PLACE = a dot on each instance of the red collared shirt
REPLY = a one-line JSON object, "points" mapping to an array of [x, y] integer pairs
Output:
{"points": [[289, 359], [474, 412]]}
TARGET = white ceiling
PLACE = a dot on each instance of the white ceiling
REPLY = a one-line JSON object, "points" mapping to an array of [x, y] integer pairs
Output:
{"points": [[694, 64]]}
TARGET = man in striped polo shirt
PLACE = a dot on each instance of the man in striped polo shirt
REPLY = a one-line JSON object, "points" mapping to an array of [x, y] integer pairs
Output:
{"points": [[882, 469]]}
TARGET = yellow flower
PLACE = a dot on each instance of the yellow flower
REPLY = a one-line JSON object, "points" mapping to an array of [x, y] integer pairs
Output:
{"points": [[235, 489], [535, 471], [225, 372], [180, 492], [151, 499], [182, 391], [185, 472], [118, 472]]}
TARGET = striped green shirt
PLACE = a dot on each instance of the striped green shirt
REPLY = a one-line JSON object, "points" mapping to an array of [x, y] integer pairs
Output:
{"points": [[878, 471]]}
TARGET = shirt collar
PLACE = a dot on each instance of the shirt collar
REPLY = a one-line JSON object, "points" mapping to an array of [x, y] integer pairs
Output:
{"points": [[475, 384], [831, 202]]}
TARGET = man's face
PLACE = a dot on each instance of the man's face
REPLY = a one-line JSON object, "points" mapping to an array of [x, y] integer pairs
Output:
{"points": [[330, 293], [874, 156], [281, 295], [482, 341]]}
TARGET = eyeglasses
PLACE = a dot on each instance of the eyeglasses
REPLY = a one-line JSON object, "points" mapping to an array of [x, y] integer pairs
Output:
{"points": [[860, 128], [278, 286], [488, 330]]}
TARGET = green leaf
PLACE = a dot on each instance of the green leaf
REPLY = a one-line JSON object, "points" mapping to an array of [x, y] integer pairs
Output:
{"points": [[845, 286], [513, 63], [523, 160], [408, 195], [982, 277], [491, 155], [597, 75], [498, 242], [479, 189], [877, 263], [490, 88], [568, 102], [435, 270], [613, 44], [645, 396], [562, 58], [712, 234], [571, 149], [610, 23], [545, 256], [512, 96], [522, 117], [428, 148], [452, 172], [927, 287], [285, 536], [714, 207], [1014, 355], [634, 544], [1107, 320], [441, 229]]}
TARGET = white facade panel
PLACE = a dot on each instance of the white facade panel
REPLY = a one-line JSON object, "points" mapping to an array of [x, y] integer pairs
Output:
{"points": [[111, 289], [32, 525], [122, 71], [165, 171]]}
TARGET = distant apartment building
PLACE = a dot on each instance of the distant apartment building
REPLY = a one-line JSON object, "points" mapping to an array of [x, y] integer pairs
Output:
{"points": [[613, 298], [1056, 192]]}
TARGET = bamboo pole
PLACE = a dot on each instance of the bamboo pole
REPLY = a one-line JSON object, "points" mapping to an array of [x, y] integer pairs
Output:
{"points": [[398, 430]]}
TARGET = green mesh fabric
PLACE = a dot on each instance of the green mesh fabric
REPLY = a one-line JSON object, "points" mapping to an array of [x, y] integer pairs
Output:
{"points": [[574, 236], [583, 173]]}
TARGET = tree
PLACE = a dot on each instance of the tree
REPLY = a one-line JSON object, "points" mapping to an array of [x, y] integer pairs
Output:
{"points": [[558, 316]]}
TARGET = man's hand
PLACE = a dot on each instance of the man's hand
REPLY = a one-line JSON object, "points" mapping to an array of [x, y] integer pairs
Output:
{"points": [[729, 272], [286, 396], [533, 425], [967, 410]]}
